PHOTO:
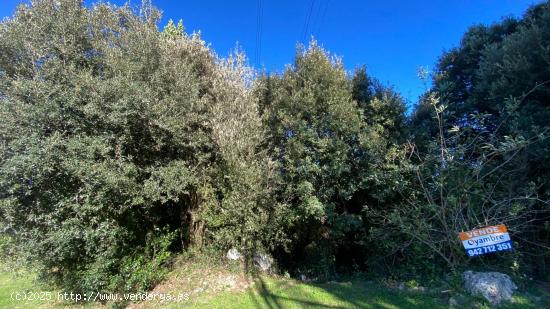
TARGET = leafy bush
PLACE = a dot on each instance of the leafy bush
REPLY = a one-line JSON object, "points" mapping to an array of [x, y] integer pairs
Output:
{"points": [[482, 148], [330, 147], [121, 144], [112, 129]]}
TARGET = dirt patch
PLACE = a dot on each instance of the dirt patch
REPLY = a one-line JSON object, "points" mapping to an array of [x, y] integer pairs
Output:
{"points": [[194, 280]]}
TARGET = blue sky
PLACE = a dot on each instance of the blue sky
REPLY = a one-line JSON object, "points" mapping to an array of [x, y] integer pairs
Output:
{"points": [[391, 37]]}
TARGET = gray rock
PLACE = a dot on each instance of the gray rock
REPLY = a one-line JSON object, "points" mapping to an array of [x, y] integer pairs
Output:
{"points": [[263, 261], [402, 286], [9, 230], [457, 300], [233, 254], [419, 289], [495, 287], [453, 302]]}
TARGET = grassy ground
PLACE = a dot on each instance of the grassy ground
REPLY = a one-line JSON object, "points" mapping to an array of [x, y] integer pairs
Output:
{"points": [[215, 286], [283, 293], [20, 290], [20, 285], [270, 293]]}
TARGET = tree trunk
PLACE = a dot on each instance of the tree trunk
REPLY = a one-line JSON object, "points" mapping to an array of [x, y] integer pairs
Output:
{"points": [[193, 222]]}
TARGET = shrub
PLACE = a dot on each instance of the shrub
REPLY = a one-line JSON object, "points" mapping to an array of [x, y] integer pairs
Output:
{"points": [[111, 130]]}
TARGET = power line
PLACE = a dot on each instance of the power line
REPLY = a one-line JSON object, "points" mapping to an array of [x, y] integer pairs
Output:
{"points": [[259, 30], [306, 24], [318, 32], [315, 19]]}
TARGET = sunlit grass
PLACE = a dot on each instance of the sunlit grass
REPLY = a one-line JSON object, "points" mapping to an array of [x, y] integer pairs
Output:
{"points": [[16, 285], [20, 285], [286, 293], [264, 292]]}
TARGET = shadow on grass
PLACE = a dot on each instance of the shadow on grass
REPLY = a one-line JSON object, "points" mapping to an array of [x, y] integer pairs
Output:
{"points": [[266, 298], [333, 295]]}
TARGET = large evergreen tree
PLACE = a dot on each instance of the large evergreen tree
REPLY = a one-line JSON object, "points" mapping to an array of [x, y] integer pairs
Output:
{"points": [[329, 146], [491, 107], [121, 143]]}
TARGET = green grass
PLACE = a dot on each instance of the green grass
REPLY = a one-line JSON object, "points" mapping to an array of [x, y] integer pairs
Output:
{"points": [[23, 285], [264, 292], [20, 284], [282, 293], [279, 293]]}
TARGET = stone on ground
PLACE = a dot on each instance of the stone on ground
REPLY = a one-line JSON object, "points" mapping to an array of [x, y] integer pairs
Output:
{"points": [[263, 261], [496, 287], [233, 254]]}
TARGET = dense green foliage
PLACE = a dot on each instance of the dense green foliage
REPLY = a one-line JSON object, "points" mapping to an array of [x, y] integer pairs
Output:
{"points": [[122, 144], [490, 101], [115, 134], [332, 152]]}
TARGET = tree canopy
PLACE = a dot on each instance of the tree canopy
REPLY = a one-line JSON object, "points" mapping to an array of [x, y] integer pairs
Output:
{"points": [[124, 143]]}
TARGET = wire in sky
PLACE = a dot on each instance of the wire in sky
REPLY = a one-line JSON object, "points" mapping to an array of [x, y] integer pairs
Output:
{"points": [[261, 30], [318, 32], [259, 26], [306, 24], [316, 16]]}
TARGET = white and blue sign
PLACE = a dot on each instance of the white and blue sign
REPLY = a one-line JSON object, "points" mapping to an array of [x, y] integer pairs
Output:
{"points": [[486, 240]]}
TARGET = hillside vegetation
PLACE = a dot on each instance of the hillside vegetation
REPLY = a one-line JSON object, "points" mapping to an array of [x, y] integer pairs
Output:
{"points": [[124, 143]]}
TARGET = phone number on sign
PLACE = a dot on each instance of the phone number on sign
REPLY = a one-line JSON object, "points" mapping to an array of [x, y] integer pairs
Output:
{"points": [[492, 248]]}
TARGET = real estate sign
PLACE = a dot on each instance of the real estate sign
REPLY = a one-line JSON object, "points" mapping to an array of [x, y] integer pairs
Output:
{"points": [[486, 240]]}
